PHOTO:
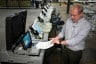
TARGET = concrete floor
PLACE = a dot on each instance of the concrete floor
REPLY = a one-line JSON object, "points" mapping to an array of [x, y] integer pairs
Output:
{"points": [[89, 56]]}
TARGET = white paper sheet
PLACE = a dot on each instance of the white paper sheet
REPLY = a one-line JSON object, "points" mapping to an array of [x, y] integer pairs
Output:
{"points": [[44, 45]]}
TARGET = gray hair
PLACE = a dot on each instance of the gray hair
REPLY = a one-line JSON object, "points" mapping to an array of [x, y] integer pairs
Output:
{"points": [[78, 6]]}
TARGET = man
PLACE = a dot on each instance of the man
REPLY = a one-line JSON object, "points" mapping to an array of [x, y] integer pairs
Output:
{"points": [[75, 30]]}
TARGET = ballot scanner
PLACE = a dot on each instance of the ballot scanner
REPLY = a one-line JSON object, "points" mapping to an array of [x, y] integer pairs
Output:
{"points": [[26, 46], [46, 13], [20, 44], [20, 47], [38, 28]]}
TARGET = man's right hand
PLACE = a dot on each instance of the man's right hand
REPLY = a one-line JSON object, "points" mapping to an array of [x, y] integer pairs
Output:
{"points": [[55, 40]]}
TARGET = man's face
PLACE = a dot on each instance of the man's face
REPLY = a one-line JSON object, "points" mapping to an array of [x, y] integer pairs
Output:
{"points": [[75, 15]]}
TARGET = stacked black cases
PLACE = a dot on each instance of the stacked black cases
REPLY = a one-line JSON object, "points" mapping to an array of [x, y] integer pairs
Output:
{"points": [[24, 16], [15, 27]]}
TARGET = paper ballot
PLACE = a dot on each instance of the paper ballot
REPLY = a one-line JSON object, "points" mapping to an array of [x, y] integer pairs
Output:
{"points": [[44, 45]]}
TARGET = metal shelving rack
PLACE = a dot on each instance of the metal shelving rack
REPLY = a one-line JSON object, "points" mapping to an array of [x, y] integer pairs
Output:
{"points": [[91, 17], [15, 3]]}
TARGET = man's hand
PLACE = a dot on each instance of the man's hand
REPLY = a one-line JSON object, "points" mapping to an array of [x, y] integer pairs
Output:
{"points": [[64, 42], [55, 40]]}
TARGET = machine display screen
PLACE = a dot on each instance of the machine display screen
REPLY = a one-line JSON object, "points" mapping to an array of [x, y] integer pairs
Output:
{"points": [[26, 40]]}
